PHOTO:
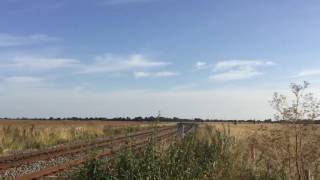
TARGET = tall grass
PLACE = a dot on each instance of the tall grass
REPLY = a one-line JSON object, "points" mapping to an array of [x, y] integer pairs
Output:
{"points": [[23, 136], [207, 155]]}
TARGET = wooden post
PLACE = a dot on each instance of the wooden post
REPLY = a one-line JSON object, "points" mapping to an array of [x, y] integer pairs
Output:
{"points": [[307, 174], [181, 130]]}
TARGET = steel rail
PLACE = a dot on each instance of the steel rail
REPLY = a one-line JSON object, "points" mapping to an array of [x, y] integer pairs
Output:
{"points": [[28, 158], [53, 170]]}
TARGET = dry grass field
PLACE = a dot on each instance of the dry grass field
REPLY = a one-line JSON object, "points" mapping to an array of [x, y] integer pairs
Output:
{"points": [[206, 154], [236, 151], [275, 144], [244, 130], [19, 135]]}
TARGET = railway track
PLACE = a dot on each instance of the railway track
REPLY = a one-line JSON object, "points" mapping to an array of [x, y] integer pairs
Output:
{"points": [[27, 158], [64, 167], [76, 154]]}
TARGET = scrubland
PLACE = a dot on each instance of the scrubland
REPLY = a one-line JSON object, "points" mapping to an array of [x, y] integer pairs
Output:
{"points": [[19, 135], [225, 151], [276, 145], [219, 151], [210, 154]]}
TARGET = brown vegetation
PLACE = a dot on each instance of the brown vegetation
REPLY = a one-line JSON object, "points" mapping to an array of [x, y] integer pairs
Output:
{"points": [[17, 135], [275, 143]]}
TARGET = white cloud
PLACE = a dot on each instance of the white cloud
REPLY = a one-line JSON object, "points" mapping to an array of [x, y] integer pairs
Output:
{"points": [[137, 64], [107, 63], [22, 80], [232, 64], [308, 73], [21, 83], [235, 75], [165, 74], [142, 74], [40, 63], [200, 65], [112, 63], [118, 2], [9, 40], [237, 70]]}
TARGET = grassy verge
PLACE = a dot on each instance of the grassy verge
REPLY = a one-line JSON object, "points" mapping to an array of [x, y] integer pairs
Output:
{"points": [[207, 155]]}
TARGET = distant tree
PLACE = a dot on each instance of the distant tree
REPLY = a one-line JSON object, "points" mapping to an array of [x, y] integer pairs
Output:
{"points": [[303, 107], [267, 120]]}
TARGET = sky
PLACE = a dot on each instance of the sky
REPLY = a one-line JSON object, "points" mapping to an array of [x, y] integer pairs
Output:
{"points": [[117, 58]]}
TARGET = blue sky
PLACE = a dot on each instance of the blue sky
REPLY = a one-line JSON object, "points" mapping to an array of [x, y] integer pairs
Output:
{"points": [[134, 57]]}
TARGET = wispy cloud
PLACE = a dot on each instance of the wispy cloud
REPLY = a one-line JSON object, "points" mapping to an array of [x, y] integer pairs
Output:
{"points": [[308, 73], [165, 74], [238, 69], [118, 2], [138, 65], [35, 63], [9, 40], [23, 79], [142, 74], [235, 75], [23, 82], [200, 65], [112, 63], [240, 64]]}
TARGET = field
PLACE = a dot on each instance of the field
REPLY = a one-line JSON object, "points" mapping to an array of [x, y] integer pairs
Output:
{"points": [[223, 151], [19, 135], [34, 164], [214, 151], [207, 154], [275, 143]]}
